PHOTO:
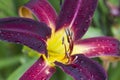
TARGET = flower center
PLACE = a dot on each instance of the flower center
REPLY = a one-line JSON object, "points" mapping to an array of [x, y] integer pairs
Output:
{"points": [[60, 46]]}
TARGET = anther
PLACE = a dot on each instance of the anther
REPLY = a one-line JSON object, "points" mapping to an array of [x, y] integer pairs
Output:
{"points": [[63, 40], [68, 51], [64, 45], [67, 34]]}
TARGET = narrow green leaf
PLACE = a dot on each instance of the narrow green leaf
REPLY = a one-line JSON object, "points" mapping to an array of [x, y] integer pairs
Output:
{"points": [[114, 72], [18, 73], [93, 32], [60, 75], [6, 62]]}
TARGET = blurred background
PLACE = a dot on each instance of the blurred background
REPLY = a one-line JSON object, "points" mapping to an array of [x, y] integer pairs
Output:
{"points": [[16, 59]]}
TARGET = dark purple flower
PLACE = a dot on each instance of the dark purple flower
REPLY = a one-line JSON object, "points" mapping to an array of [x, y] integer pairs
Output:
{"points": [[58, 39]]}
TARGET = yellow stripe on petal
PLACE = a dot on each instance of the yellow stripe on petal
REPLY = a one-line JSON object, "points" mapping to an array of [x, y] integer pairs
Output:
{"points": [[80, 49], [110, 58]]}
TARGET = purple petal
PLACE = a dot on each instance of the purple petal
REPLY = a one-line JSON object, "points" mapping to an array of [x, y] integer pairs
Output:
{"points": [[43, 10], [98, 46], [76, 14], [25, 31], [83, 68], [39, 71]]}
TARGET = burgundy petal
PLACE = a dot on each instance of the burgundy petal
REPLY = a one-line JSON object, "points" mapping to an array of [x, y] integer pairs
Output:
{"points": [[83, 68], [43, 10], [76, 14], [25, 31], [38, 71], [98, 46]]}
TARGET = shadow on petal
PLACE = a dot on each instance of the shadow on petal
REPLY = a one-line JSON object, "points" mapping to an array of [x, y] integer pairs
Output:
{"points": [[83, 68]]}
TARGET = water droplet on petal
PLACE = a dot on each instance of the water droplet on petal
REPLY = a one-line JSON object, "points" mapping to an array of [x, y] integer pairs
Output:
{"points": [[85, 29], [98, 45]]}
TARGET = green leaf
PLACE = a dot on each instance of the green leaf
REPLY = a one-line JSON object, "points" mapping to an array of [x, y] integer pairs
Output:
{"points": [[60, 75], [19, 72], [8, 8], [93, 32], [55, 4], [115, 2], [8, 50], [96, 18], [30, 52], [114, 72], [6, 62]]}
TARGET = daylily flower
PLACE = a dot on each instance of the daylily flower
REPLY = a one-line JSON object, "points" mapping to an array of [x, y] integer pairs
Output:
{"points": [[57, 39]]}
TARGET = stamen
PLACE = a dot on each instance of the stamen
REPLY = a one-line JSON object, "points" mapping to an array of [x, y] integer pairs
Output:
{"points": [[69, 36], [74, 58], [64, 44]]}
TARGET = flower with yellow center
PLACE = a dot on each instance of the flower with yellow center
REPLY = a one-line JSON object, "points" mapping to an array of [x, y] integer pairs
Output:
{"points": [[57, 38]]}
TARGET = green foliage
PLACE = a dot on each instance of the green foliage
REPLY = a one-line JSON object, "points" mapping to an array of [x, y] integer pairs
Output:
{"points": [[114, 71], [20, 70], [60, 75]]}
